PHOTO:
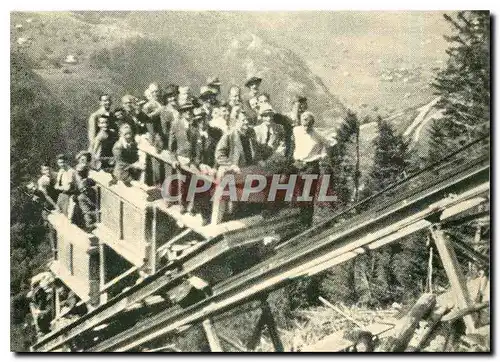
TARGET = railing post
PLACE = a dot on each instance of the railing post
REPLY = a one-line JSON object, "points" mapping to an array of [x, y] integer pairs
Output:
{"points": [[213, 339], [453, 271], [102, 273]]}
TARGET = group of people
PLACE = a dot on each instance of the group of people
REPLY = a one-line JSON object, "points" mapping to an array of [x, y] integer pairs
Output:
{"points": [[214, 134]]}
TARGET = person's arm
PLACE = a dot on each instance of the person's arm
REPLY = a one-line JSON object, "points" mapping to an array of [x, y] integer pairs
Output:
{"points": [[222, 151], [91, 128]]}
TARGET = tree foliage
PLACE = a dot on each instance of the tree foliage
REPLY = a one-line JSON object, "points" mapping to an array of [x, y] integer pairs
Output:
{"points": [[463, 85]]}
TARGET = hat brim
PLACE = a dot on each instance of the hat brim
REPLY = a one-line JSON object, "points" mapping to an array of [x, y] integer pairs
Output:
{"points": [[253, 81]]}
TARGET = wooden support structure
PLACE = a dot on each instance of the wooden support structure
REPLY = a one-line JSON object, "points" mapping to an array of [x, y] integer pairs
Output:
{"points": [[434, 320], [102, 273], [454, 273], [266, 320], [408, 324], [213, 339]]}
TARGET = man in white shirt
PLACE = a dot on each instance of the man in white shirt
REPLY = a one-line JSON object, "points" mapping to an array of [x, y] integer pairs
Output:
{"points": [[65, 184], [310, 148]]}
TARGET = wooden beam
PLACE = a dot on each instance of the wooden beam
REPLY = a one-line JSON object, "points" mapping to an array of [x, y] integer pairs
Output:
{"points": [[271, 327], [454, 273], [102, 273], [163, 250], [213, 339], [407, 325], [115, 280], [257, 332], [433, 322]]}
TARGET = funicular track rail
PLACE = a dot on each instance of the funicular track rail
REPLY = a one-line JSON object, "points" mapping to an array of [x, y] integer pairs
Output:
{"points": [[425, 196]]}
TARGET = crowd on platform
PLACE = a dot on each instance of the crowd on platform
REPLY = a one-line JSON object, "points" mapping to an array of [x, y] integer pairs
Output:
{"points": [[214, 134]]}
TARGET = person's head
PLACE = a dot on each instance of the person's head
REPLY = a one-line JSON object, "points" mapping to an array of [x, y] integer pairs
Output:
{"points": [[214, 84], [299, 104], [126, 132], [82, 170], [62, 161], [263, 98], [31, 187], [45, 170], [307, 119], [129, 103], [242, 123], [84, 158], [266, 113], [234, 96], [119, 115], [186, 112], [103, 123], [152, 92], [200, 117], [253, 85], [254, 104], [105, 101], [224, 111], [171, 93]]}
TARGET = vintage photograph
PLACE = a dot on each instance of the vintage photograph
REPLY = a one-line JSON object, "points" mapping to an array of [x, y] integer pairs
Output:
{"points": [[259, 181]]}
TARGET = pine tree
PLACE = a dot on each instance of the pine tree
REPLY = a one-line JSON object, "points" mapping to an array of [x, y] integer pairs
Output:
{"points": [[464, 85], [376, 282]]}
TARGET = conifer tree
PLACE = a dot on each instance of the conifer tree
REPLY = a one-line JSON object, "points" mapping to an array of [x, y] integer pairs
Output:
{"points": [[463, 85]]}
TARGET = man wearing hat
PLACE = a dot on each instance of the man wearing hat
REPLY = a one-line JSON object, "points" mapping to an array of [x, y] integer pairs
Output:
{"points": [[268, 134], [203, 140], [86, 196], [250, 105], [208, 100], [214, 84], [253, 85], [179, 145], [299, 106]]}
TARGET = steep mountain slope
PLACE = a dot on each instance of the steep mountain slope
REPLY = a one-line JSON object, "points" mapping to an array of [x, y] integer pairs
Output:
{"points": [[80, 55]]}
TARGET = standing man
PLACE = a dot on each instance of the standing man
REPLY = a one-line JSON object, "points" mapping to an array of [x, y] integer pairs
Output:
{"points": [[102, 147], [208, 101], [215, 86], [299, 106], [86, 197], [104, 110], [169, 113], [250, 104], [221, 121], [180, 145], [65, 184], [310, 148], [269, 135], [238, 147]]}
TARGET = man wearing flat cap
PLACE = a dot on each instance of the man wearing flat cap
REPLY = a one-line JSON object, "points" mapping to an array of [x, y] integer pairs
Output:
{"points": [[250, 105], [208, 100], [214, 84]]}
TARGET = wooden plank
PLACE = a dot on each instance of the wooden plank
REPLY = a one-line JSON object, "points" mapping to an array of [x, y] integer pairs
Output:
{"points": [[158, 327], [262, 282], [407, 325], [271, 327], [163, 250], [454, 272], [115, 280], [434, 320], [102, 273], [331, 306], [213, 339]]}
